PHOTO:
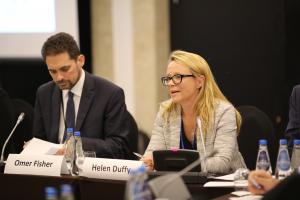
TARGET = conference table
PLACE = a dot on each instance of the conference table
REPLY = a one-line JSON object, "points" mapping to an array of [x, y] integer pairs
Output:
{"points": [[31, 187]]}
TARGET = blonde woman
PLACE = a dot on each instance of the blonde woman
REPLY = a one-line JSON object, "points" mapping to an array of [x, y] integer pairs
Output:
{"points": [[198, 116]]}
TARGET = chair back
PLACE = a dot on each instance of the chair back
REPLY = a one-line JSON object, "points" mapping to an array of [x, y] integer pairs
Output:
{"points": [[24, 130], [138, 139], [133, 136], [256, 125], [6, 121], [143, 141]]}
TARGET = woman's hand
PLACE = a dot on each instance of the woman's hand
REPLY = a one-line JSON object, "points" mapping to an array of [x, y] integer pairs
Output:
{"points": [[260, 181], [148, 161]]}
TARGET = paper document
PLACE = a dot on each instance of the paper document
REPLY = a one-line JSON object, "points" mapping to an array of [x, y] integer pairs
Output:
{"points": [[228, 177], [219, 184], [241, 193], [41, 147], [249, 197]]}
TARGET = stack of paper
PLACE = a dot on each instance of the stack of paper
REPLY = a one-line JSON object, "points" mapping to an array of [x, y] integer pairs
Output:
{"points": [[41, 147]]}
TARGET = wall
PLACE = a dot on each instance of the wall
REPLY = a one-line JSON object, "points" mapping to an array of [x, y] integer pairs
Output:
{"points": [[245, 44], [130, 48], [252, 47]]}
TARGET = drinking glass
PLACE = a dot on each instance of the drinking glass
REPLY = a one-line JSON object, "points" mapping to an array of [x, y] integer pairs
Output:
{"points": [[91, 154], [241, 179]]}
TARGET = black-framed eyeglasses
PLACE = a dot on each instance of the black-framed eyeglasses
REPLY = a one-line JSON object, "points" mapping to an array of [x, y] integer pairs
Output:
{"points": [[177, 78]]}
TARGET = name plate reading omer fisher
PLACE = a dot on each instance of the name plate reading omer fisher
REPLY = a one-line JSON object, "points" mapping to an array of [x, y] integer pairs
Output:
{"points": [[48, 165], [114, 169]]}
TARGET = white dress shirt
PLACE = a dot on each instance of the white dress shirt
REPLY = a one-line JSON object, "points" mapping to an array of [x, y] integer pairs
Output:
{"points": [[77, 91]]}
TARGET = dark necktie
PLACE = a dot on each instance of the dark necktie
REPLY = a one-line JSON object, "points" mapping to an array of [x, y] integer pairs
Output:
{"points": [[70, 112]]}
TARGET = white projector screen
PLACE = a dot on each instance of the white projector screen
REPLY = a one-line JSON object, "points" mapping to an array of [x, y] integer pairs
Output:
{"points": [[26, 24]]}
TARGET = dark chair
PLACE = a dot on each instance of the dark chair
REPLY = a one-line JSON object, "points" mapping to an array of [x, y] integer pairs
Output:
{"points": [[143, 141], [24, 130], [256, 125], [133, 136], [6, 121], [138, 140]]}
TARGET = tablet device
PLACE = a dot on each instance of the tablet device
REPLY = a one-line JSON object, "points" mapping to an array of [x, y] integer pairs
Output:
{"points": [[175, 160]]}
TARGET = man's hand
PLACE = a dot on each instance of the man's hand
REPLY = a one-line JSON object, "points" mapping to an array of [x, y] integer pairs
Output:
{"points": [[25, 144], [263, 179], [60, 151]]}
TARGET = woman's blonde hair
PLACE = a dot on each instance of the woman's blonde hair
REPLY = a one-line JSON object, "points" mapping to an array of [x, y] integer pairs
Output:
{"points": [[209, 95]]}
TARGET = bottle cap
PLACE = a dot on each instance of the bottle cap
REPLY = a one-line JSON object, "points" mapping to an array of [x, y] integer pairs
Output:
{"points": [[50, 192], [282, 141], [296, 142], [142, 169], [263, 142], [77, 133], [65, 188], [69, 130], [133, 172]]}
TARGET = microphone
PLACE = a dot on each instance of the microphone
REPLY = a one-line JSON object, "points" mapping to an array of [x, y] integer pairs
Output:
{"points": [[171, 186], [20, 118]]}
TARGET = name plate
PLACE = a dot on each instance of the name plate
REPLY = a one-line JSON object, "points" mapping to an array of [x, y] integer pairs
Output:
{"points": [[113, 169], [48, 165]]}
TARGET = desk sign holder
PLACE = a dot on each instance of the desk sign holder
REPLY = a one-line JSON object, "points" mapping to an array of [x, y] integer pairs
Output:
{"points": [[47, 165], [113, 169]]}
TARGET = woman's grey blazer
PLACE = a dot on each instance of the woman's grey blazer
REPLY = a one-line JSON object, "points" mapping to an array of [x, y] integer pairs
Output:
{"points": [[221, 139]]}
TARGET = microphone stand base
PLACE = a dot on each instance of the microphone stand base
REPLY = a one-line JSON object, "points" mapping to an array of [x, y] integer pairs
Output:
{"points": [[169, 186]]}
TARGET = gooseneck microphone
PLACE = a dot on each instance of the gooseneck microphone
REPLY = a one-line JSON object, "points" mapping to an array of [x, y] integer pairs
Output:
{"points": [[20, 118]]}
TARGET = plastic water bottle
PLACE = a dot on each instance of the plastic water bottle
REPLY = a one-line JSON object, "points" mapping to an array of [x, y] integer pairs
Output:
{"points": [[79, 156], [137, 187], [69, 149], [295, 160], [66, 192], [50, 193], [263, 159], [283, 166]]}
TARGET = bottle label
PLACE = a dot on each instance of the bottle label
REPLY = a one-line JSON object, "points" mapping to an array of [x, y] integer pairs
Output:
{"points": [[283, 161], [295, 161], [263, 161]]}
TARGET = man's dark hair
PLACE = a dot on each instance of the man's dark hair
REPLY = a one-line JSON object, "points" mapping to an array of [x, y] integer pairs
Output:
{"points": [[60, 43]]}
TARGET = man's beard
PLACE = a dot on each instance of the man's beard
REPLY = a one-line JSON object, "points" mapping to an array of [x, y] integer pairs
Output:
{"points": [[64, 85]]}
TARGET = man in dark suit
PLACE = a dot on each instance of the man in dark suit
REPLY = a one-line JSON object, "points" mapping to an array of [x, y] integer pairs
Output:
{"points": [[293, 127], [100, 111]]}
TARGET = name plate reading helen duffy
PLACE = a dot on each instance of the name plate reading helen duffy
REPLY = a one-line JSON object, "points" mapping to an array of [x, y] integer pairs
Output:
{"points": [[48, 165], [114, 169]]}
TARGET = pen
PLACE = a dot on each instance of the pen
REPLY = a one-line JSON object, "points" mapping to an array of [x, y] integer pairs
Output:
{"points": [[138, 155], [255, 183]]}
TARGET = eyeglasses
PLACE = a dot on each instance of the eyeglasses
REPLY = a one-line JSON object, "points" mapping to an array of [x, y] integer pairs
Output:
{"points": [[177, 78]]}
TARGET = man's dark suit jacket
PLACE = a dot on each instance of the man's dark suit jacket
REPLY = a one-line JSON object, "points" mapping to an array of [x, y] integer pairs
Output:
{"points": [[102, 116], [293, 127], [286, 189]]}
